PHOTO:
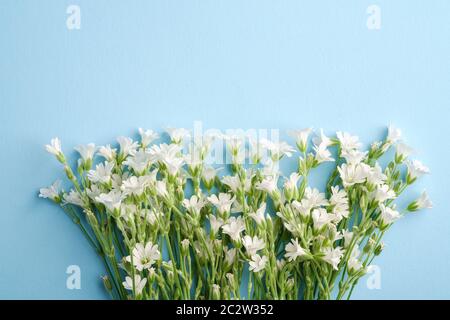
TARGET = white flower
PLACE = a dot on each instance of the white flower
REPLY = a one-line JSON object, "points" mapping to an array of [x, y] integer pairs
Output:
{"points": [[111, 200], [150, 178], [147, 136], [348, 236], [230, 255], [291, 183], [277, 149], [54, 147], [168, 156], [280, 264], [320, 218], [351, 174], [294, 250], [139, 283], [128, 211], [394, 134], [333, 256], [139, 161], [256, 150], [322, 140], [353, 156], [388, 215], [336, 215], [203, 144], [163, 151], [423, 202], [315, 198], [107, 152], [353, 263], [178, 135], [102, 173], [134, 185], [94, 191], [253, 245], [86, 151], [322, 154], [117, 179], [416, 169], [268, 184], [127, 145], [144, 256], [233, 182], [374, 175], [194, 158], [215, 223], [258, 263], [234, 227], [73, 197], [384, 193], [194, 204], [271, 169], [51, 192], [301, 137], [304, 207], [403, 151], [338, 197], [236, 207], [223, 202], [258, 216], [234, 142], [347, 141], [173, 165], [151, 216], [209, 174], [339, 201], [161, 188]]}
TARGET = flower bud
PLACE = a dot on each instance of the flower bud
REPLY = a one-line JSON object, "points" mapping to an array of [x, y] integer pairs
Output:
{"points": [[91, 218], [230, 278], [185, 247], [107, 283], [410, 179], [369, 245], [269, 222], [69, 172], [413, 206], [288, 194], [379, 249], [371, 228], [61, 158], [289, 284], [151, 274], [363, 201], [215, 292], [217, 243]]}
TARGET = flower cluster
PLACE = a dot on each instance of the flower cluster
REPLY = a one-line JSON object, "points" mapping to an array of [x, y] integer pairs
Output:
{"points": [[167, 225]]}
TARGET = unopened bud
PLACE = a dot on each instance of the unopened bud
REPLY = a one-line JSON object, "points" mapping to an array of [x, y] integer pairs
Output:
{"points": [[290, 284], [216, 292], [185, 247], [107, 283], [379, 249], [91, 218], [69, 172]]}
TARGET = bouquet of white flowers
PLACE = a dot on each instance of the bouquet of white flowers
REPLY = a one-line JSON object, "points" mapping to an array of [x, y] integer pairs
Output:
{"points": [[167, 226]]}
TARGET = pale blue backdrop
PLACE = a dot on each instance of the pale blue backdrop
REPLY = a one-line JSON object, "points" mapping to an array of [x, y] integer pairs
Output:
{"points": [[230, 64]]}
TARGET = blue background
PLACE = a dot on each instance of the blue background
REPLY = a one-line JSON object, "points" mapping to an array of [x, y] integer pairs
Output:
{"points": [[230, 64]]}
